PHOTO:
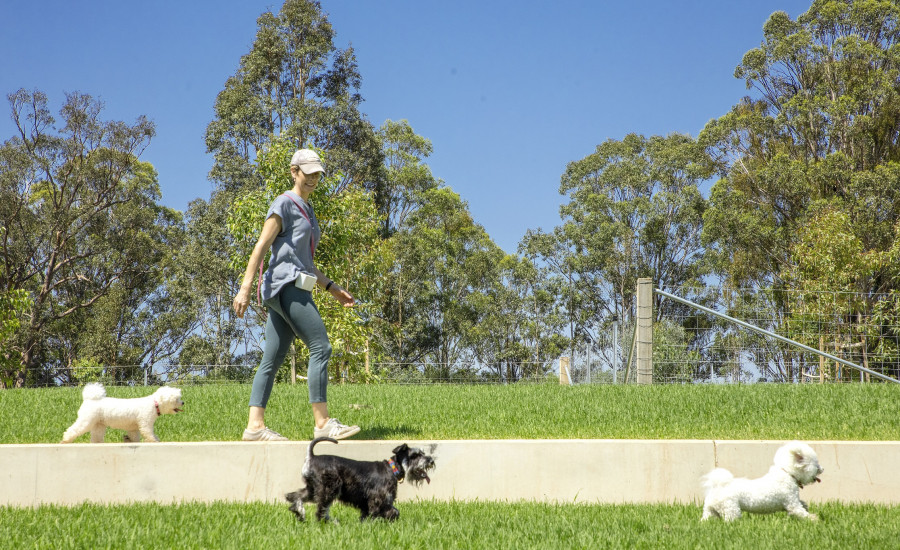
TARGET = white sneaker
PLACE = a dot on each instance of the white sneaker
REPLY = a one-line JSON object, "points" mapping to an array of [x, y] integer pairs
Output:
{"points": [[335, 430], [265, 434]]}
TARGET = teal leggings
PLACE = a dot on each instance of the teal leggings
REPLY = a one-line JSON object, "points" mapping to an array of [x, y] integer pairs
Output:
{"points": [[292, 312]]}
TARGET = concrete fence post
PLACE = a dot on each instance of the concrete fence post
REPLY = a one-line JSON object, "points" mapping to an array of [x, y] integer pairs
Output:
{"points": [[644, 335], [564, 371]]}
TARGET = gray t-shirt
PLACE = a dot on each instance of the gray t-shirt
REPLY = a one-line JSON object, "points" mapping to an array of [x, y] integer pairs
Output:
{"points": [[292, 249]]}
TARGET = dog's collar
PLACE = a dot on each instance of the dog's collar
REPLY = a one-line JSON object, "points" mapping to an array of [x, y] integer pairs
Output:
{"points": [[797, 481], [395, 470], [157, 408]]}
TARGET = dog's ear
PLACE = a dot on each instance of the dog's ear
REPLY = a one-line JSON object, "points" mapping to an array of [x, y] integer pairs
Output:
{"points": [[401, 449]]}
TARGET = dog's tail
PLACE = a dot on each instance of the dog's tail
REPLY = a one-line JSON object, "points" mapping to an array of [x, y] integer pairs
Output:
{"points": [[716, 478], [309, 451], [93, 391]]}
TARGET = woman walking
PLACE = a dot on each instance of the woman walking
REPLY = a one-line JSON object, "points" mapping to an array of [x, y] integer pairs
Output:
{"points": [[292, 232]]}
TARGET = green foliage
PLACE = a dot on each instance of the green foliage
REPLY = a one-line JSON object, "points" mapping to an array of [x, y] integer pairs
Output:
{"points": [[407, 176], [673, 358], [828, 256], [83, 235], [827, 259], [520, 324], [351, 251], [454, 524], [293, 83], [822, 130], [13, 303], [443, 262], [634, 211]]}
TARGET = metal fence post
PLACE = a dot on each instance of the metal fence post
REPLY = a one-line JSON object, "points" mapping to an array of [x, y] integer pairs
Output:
{"points": [[645, 331], [589, 344], [615, 347]]}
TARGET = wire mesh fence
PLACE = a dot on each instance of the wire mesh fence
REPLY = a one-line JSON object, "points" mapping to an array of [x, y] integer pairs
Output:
{"points": [[692, 346], [378, 372], [689, 346], [856, 328]]}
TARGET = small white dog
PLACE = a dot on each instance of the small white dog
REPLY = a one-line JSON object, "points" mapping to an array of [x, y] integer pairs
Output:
{"points": [[135, 416], [796, 465]]}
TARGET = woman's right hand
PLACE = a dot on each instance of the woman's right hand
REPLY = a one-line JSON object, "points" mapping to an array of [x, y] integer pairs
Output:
{"points": [[241, 301]]}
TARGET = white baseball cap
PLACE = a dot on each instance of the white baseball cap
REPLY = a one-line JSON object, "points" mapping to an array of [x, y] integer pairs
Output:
{"points": [[308, 161]]}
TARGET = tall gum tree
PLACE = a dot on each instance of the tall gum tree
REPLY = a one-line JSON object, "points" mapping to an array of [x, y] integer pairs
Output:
{"points": [[80, 220], [821, 127], [295, 85], [634, 210]]}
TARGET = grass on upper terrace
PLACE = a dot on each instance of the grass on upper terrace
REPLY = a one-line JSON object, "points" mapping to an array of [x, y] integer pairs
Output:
{"points": [[861, 412]]}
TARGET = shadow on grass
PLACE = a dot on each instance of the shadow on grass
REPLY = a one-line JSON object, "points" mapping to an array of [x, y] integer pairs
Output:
{"points": [[395, 432]]}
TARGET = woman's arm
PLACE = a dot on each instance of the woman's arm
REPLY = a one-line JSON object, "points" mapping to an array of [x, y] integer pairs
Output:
{"points": [[335, 290], [271, 229]]}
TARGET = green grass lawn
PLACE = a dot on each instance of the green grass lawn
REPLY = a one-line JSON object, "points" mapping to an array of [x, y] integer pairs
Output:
{"points": [[862, 412], [436, 412], [443, 525]]}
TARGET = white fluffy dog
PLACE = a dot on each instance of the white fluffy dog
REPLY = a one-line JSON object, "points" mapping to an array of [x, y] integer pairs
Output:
{"points": [[135, 416], [796, 465]]}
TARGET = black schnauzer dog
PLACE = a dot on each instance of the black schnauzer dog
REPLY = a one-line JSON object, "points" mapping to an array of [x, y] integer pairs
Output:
{"points": [[371, 487]]}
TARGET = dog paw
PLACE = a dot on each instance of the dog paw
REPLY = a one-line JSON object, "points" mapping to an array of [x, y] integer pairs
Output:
{"points": [[812, 517], [297, 509]]}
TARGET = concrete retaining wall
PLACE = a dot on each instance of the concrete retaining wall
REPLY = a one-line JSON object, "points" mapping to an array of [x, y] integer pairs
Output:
{"points": [[592, 471]]}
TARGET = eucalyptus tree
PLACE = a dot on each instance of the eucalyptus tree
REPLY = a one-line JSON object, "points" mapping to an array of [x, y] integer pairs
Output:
{"points": [[13, 304], [406, 174], [203, 277], [520, 323], [82, 228], [443, 261], [634, 211], [809, 165], [819, 133], [351, 251], [293, 83]]}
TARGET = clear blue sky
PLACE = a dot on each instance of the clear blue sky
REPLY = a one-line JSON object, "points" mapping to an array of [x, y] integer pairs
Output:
{"points": [[508, 91]]}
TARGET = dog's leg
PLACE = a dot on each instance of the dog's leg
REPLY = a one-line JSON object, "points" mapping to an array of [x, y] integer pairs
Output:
{"points": [[98, 432], [148, 433], [74, 431], [324, 499], [374, 509], [382, 508], [323, 512], [729, 511], [389, 512], [392, 514], [297, 498], [798, 508], [132, 437], [708, 512]]}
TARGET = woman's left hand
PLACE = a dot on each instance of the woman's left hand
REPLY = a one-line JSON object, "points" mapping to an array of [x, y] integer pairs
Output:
{"points": [[342, 296]]}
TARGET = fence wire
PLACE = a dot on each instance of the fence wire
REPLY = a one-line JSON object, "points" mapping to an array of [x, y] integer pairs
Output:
{"points": [[379, 372], [689, 346], [864, 329]]}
